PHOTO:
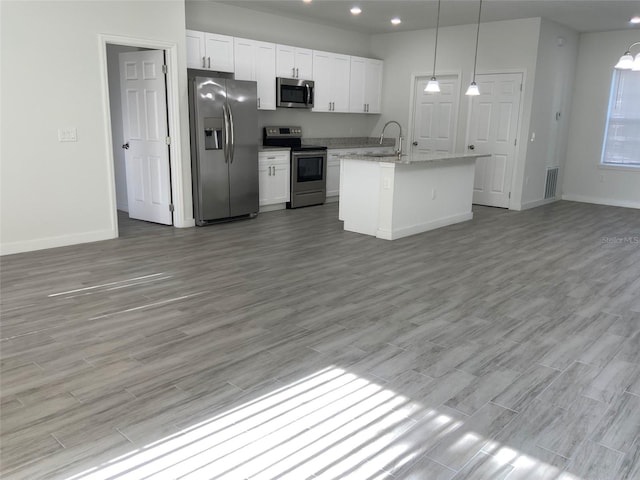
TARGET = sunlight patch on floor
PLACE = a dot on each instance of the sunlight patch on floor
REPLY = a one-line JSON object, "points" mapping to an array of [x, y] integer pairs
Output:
{"points": [[333, 424]]}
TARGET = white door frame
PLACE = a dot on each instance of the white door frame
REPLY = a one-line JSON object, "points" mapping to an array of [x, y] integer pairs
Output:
{"points": [[516, 165], [173, 111], [414, 79]]}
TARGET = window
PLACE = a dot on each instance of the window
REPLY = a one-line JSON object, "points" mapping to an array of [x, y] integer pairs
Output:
{"points": [[622, 134]]}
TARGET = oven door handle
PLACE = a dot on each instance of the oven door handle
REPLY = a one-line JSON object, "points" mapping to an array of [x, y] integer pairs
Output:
{"points": [[308, 153]]}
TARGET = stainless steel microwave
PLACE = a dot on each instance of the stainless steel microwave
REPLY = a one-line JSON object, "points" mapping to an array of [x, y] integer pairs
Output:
{"points": [[294, 93]]}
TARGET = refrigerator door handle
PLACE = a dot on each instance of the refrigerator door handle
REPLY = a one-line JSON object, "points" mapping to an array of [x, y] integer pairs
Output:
{"points": [[225, 121], [232, 139]]}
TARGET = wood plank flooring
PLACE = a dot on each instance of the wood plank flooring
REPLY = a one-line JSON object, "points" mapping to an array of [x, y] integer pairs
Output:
{"points": [[506, 347]]}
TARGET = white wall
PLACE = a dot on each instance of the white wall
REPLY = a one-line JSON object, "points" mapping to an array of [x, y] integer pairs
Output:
{"points": [[209, 16], [585, 180], [240, 22], [509, 46], [555, 72], [57, 193]]}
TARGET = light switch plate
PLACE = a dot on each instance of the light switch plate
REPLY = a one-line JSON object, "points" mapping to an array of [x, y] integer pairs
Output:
{"points": [[69, 134]]}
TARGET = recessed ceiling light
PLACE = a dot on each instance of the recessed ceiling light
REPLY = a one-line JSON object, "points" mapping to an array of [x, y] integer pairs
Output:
{"points": [[635, 20], [396, 21], [356, 10], [306, 1]]}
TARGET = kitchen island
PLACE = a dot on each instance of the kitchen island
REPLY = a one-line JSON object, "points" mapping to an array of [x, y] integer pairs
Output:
{"points": [[391, 196]]}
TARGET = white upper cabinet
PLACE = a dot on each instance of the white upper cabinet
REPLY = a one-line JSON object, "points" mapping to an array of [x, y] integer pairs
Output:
{"points": [[196, 58], [256, 61], [331, 77], [294, 62], [342, 83], [209, 51], [365, 86], [373, 85]]}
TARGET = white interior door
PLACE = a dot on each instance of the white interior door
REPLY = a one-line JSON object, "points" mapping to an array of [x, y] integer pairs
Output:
{"points": [[493, 125], [435, 115], [144, 112]]}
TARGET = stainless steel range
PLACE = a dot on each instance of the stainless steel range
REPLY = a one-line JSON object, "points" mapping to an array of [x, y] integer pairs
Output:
{"points": [[308, 165]]}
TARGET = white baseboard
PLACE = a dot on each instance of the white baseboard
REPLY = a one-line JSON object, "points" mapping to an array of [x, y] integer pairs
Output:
{"points": [[538, 203], [53, 242], [601, 201], [186, 223], [333, 199], [422, 227], [272, 207]]}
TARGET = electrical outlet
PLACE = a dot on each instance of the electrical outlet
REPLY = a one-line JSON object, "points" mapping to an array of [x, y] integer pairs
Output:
{"points": [[69, 134]]}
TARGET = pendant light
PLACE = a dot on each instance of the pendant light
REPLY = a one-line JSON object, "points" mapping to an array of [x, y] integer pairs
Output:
{"points": [[433, 86], [627, 61], [473, 88]]}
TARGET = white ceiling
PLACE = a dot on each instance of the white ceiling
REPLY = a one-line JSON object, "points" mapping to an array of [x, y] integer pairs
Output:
{"points": [[580, 15]]}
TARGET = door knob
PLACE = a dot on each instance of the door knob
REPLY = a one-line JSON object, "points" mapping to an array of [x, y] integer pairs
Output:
{"points": [[472, 147], [415, 144], [126, 146]]}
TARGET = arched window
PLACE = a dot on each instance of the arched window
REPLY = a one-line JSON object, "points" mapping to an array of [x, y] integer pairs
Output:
{"points": [[622, 133]]}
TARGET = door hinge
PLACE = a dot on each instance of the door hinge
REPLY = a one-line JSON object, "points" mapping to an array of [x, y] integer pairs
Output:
{"points": [[171, 208], [515, 142], [168, 140], [165, 69]]}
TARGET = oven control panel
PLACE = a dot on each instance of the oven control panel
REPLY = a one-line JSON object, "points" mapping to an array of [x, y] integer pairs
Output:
{"points": [[282, 132]]}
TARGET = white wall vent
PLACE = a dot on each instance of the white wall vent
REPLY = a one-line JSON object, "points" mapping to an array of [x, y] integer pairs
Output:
{"points": [[551, 183]]}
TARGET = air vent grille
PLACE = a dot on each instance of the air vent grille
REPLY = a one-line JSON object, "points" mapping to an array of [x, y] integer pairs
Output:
{"points": [[551, 183]]}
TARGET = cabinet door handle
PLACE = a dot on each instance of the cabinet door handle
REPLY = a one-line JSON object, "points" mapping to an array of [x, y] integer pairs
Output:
{"points": [[209, 61], [204, 65], [293, 72], [258, 102], [297, 73], [271, 158]]}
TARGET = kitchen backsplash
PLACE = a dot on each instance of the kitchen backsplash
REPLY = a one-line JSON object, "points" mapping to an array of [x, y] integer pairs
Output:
{"points": [[349, 142]]}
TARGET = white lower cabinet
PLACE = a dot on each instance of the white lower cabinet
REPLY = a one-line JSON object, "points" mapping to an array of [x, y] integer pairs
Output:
{"points": [[273, 175], [333, 166]]}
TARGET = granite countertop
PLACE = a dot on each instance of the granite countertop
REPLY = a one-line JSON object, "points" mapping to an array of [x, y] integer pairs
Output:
{"points": [[421, 158], [262, 148], [350, 142]]}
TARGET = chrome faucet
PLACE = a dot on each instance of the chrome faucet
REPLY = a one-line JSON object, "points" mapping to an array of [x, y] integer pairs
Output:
{"points": [[399, 149]]}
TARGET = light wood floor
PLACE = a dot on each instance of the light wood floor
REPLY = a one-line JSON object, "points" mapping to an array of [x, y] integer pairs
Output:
{"points": [[507, 347]]}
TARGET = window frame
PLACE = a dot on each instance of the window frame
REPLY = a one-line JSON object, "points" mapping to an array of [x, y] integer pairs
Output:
{"points": [[613, 92]]}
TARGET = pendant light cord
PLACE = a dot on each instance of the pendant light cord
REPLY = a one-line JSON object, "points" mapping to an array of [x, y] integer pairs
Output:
{"points": [[475, 59], [435, 50]]}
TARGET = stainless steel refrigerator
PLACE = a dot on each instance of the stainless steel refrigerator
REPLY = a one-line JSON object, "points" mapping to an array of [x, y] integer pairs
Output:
{"points": [[223, 117]]}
